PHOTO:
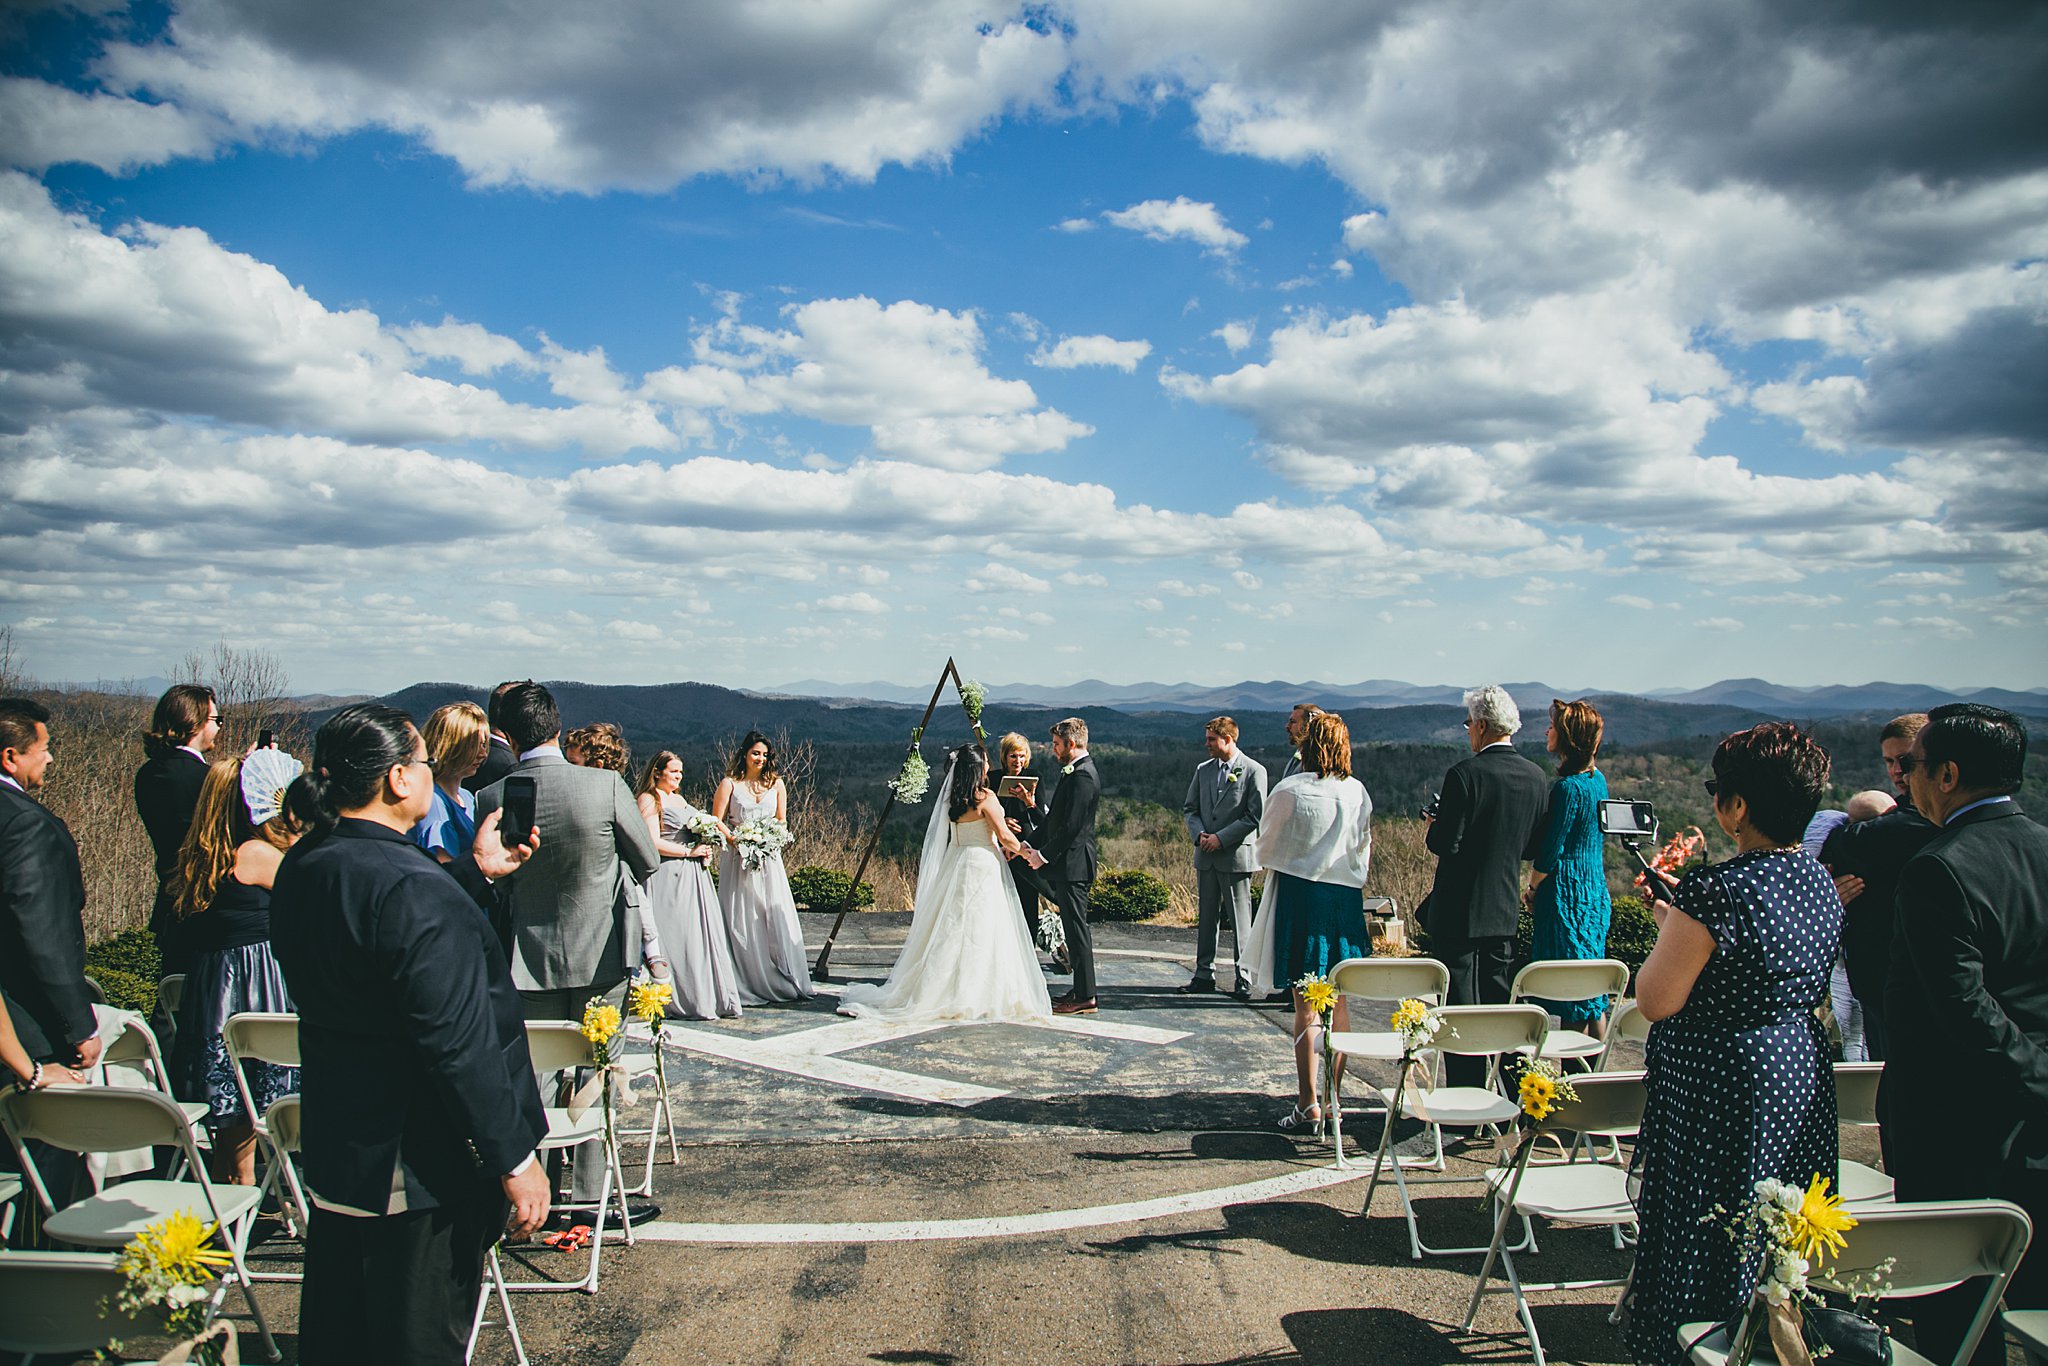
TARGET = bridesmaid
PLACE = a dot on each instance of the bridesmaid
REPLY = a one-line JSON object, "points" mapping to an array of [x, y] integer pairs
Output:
{"points": [[682, 901], [760, 914]]}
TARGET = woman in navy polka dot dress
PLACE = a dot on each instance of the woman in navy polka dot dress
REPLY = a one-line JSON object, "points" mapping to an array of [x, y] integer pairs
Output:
{"points": [[1740, 1085]]}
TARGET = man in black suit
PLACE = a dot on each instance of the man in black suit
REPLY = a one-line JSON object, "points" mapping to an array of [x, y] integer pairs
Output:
{"points": [[1964, 1100], [1488, 820], [186, 723], [1876, 852], [500, 758], [420, 1110], [1066, 850], [42, 902]]}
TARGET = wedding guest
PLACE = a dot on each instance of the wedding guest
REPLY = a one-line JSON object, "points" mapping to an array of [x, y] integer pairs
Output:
{"points": [[220, 893], [1968, 991], [1740, 1085], [182, 730], [421, 1114], [603, 745], [1023, 817], [500, 758], [1066, 847], [1849, 1014], [1225, 800], [1568, 899], [760, 914], [682, 903], [1867, 859], [458, 737], [1488, 819], [26, 1072], [1316, 846]]}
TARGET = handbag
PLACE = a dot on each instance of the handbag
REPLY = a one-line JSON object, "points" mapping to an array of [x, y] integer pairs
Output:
{"points": [[1846, 1338]]}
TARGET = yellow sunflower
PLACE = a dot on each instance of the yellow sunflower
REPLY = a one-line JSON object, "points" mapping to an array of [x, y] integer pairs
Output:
{"points": [[1410, 1014], [1815, 1229], [600, 1021], [179, 1247], [648, 999], [1538, 1095], [1318, 995]]}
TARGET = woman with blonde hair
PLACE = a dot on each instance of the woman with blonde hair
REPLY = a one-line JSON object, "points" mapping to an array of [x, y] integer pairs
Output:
{"points": [[458, 736], [682, 902], [220, 892], [1315, 842], [1568, 899]]}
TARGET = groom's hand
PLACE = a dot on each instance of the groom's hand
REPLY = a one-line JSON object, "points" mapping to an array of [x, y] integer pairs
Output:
{"points": [[1033, 859]]}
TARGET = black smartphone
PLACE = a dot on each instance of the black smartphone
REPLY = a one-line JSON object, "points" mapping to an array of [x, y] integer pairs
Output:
{"points": [[516, 826], [266, 740]]}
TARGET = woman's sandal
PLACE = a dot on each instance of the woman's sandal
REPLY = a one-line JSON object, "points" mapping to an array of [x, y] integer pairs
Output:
{"points": [[1302, 1117]]}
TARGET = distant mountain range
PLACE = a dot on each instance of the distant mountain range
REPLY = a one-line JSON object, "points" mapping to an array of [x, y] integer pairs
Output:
{"points": [[1749, 694]]}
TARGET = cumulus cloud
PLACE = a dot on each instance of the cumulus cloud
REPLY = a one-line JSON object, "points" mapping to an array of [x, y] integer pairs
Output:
{"points": [[1236, 336], [859, 604], [1180, 219], [1073, 352]]}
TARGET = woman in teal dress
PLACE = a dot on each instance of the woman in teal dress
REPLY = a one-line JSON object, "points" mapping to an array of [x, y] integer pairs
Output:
{"points": [[1568, 892]]}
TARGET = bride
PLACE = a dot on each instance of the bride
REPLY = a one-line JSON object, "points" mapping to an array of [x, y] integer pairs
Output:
{"points": [[968, 956]]}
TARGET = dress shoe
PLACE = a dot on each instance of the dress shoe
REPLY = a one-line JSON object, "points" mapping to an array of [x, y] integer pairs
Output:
{"points": [[1197, 986], [1066, 1007], [1279, 998], [1241, 992]]}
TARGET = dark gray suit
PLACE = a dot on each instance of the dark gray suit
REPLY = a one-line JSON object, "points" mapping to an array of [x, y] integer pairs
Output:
{"points": [[1225, 799]]}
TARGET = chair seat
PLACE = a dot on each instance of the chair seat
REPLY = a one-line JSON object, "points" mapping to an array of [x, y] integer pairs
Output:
{"points": [[10, 1186], [1862, 1185], [1712, 1350], [564, 1131], [195, 1110], [1582, 1193], [117, 1214], [1381, 1047], [639, 1064], [1457, 1106], [1571, 1043], [2030, 1326]]}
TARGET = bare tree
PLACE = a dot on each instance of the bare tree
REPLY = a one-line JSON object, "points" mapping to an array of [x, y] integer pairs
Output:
{"points": [[254, 692]]}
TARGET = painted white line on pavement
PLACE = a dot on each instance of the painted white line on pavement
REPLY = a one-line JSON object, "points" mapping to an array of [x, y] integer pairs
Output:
{"points": [[1108, 1027], [779, 1056], [1002, 1226]]}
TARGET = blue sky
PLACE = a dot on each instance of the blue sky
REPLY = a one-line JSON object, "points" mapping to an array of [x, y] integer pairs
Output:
{"points": [[1623, 346]]}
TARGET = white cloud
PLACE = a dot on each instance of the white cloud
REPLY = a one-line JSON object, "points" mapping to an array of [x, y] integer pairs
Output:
{"points": [[1072, 352], [859, 604], [1640, 603], [42, 125], [1180, 218], [1718, 624], [1075, 225], [1236, 336], [1003, 578]]}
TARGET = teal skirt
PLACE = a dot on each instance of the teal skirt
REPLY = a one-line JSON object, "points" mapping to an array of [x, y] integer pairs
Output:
{"points": [[1319, 925]]}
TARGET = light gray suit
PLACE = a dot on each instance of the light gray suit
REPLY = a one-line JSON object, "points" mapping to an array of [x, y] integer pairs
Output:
{"points": [[567, 928], [571, 936], [1225, 800]]}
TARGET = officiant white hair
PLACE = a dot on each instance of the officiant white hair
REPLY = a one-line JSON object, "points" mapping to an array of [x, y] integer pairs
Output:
{"points": [[1493, 708]]}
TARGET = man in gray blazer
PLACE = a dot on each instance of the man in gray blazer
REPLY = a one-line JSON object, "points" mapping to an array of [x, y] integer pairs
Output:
{"points": [[570, 940], [1225, 801]]}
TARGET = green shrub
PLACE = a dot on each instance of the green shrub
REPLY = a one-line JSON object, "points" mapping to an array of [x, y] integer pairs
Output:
{"points": [[1127, 894], [126, 990], [823, 889], [131, 951]]}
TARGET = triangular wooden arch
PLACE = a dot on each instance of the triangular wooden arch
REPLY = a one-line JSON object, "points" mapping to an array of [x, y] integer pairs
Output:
{"points": [[819, 970]]}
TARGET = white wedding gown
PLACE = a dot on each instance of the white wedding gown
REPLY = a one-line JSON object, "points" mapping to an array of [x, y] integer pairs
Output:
{"points": [[968, 956]]}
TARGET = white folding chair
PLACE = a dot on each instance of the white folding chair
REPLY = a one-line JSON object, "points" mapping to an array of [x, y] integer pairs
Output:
{"points": [[1572, 979], [10, 1193], [100, 1119], [494, 1287], [2029, 1327], [559, 1046], [1383, 979], [271, 1037], [63, 1303], [1930, 1246], [1859, 1183], [653, 1064], [1627, 1024], [1466, 1031], [1580, 1193], [133, 1052]]}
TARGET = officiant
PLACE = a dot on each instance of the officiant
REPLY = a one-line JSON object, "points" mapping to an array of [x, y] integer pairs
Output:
{"points": [[1024, 809]]}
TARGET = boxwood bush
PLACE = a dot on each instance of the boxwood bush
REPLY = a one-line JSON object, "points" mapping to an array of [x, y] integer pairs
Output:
{"points": [[823, 889], [1127, 894], [127, 967]]}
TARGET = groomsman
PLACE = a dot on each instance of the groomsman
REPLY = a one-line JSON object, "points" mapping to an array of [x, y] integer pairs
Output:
{"points": [[500, 758], [1225, 800], [1066, 848]]}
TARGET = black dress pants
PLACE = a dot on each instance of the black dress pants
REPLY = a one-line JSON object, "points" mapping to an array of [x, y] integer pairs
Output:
{"points": [[1481, 973], [1072, 900], [399, 1288]]}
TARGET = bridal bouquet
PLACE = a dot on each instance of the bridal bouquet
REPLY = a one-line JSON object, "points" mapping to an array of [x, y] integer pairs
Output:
{"points": [[761, 839], [705, 828], [1792, 1232]]}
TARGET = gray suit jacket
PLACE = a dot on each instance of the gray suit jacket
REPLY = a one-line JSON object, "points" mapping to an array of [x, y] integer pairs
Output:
{"points": [[567, 926], [1232, 816]]}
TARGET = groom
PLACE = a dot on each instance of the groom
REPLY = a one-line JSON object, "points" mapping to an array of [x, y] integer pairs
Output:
{"points": [[1066, 849]]}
